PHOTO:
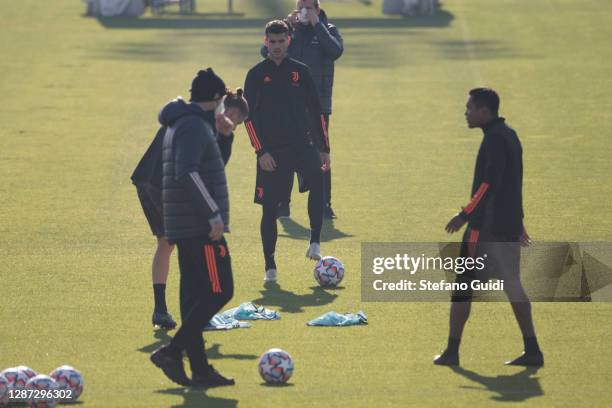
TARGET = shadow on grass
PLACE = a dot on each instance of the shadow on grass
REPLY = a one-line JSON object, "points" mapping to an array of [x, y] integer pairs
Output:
{"points": [[294, 230], [197, 397], [274, 385], [213, 21], [162, 337], [508, 388], [214, 353], [289, 302]]}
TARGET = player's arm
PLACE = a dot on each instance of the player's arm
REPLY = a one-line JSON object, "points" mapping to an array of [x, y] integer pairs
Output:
{"points": [[188, 151], [330, 39], [251, 92], [321, 138], [225, 146], [495, 163]]}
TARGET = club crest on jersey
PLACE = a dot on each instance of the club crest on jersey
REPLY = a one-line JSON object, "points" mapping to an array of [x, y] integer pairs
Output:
{"points": [[295, 76], [267, 79]]}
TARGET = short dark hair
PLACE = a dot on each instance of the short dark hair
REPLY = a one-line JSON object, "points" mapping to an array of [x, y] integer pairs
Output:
{"points": [[277, 27], [486, 97]]}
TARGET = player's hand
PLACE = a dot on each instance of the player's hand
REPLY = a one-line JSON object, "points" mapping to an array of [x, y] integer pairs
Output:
{"points": [[216, 228], [455, 224], [325, 161], [313, 17], [293, 17], [266, 162], [224, 125], [525, 240]]}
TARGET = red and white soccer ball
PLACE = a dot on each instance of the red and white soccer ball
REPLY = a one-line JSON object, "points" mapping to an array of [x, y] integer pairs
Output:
{"points": [[27, 371], [48, 386], [329, 271], [70, 379], [4, 389], [17, 379], [276, 366]]}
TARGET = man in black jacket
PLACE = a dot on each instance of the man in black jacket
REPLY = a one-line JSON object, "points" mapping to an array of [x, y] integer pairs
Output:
{"points": [[316, 43], [495, 228], [287, 132], [196, 214], [147, 178]]}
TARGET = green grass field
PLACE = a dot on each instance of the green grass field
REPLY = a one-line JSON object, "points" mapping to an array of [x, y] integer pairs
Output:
{"points": [[80, 99]]}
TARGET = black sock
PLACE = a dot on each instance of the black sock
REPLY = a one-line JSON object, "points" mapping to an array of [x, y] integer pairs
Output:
{"points": [[453, 345], [159, 293], [270, 262], [269, 234], [315, 236], [315, 208], [531, 345]]}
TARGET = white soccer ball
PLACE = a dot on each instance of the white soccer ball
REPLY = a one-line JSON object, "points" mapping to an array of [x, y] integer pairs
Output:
{"points": [[4, 389], [69, 379], [44, 391], [276, 366], [27, 371], [329, 271], [16, 379]]}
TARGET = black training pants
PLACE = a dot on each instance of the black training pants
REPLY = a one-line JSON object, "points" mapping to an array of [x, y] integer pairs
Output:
{"points": [[206, 286]]}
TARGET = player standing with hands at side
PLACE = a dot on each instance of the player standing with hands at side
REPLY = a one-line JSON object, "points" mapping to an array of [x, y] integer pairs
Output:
{"points": [[318, 44], [286, 131]]}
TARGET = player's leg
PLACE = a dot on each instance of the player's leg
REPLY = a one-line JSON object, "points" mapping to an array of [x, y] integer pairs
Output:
{"points": [[328, 212], [150, 200], [461, 306], [271, 189], [169, 358], [269, 237], [220, 273], [159, 270], [284, 207], [308, 164], [521, 306], [206, 285], [206, 293]]}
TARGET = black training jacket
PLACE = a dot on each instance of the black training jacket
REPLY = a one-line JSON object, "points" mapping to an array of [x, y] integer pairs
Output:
{"points": [[285, 113], [194, 187], [497, 198], [317, 47]]}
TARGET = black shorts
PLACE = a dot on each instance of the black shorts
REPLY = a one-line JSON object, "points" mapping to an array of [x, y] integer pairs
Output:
{"points": [[151, 201], [501, 256], [273, 187]]}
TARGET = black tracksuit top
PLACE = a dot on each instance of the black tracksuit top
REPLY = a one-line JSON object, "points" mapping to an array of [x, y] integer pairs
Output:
{"points": [[497, 198], [285, 113]]}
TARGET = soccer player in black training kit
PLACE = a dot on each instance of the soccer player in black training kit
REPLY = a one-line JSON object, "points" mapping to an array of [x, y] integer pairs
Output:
{"points": [[288, 135], [196, 214], [495, 226]]}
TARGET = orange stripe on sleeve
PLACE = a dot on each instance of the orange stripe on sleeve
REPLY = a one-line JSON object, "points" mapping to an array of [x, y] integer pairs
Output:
{"points": [[253, 135], [476, 199]]}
